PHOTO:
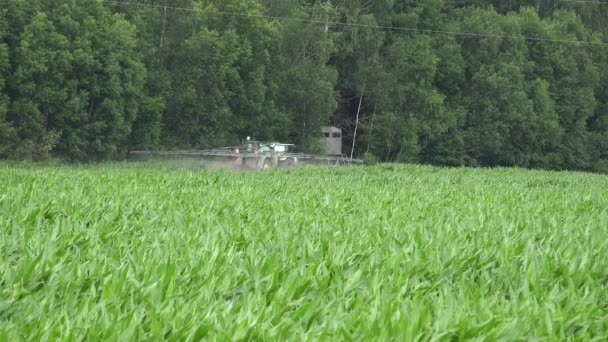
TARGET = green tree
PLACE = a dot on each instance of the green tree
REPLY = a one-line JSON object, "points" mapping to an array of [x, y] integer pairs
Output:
{"points": [[89, 80], [6, 131], [255, 90], [76, 86], [39, 86], [573, 83], [203, 117], [307, 93], [160, 33]]}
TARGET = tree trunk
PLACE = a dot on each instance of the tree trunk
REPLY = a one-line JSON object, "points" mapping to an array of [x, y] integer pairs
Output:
{"points": [[371, 130], [162, 33]]}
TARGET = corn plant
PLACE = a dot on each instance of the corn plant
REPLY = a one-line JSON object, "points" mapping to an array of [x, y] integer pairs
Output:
{"points": [[126, 252]]}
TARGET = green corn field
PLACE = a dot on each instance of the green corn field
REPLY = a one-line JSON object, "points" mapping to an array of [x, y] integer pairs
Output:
{"points": [[132, 252]]}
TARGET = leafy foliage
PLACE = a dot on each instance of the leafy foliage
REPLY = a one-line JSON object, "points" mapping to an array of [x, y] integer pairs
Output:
{"points": [[92, 80], [148, 253], [75, 76], [6, 130]]}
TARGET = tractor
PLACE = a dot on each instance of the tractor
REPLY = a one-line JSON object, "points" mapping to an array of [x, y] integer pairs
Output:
{"points": [[259, 155], [264, 155]]}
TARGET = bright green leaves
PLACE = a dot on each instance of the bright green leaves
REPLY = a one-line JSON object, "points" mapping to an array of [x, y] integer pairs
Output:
{"points": [[161, 253]]}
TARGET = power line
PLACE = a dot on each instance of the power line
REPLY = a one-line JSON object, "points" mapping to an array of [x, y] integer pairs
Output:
{"points": [[586, 2], [377, 27]]}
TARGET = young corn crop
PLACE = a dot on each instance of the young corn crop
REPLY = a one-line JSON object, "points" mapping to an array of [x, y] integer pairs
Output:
{"points": [[128, 252]]}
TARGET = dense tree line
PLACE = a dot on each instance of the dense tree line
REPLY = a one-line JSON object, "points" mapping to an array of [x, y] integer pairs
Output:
{"points": [[446, 82]]}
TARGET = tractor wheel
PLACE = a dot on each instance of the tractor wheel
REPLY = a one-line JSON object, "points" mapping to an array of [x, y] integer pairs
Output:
{"points": [[288, 163], [267, 165]]}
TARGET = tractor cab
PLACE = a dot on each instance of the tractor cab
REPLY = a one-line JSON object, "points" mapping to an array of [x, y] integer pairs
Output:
{"points": [[266, 155], [252, 146], [280, 148]]}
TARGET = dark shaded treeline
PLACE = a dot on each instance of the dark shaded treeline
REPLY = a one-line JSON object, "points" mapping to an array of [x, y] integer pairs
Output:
{"points": [[88, 80]]}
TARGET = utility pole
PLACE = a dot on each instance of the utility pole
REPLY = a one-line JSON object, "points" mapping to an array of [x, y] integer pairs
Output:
{"points": [[352, 151]]}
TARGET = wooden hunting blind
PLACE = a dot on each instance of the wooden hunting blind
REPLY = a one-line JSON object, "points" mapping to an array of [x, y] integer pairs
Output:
{"points": [[332, 138]]}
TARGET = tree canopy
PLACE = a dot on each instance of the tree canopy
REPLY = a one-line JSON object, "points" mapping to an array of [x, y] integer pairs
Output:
{"points": [[444, 82]]}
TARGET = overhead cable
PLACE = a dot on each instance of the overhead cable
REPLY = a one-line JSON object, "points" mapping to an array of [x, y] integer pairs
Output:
{"points": [[378, 27]]}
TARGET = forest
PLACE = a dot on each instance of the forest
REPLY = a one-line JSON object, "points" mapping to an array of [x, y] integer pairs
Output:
{"points": [[518, 83]]}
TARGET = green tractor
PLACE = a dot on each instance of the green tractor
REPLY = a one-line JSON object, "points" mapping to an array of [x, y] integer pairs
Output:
{"points": [[256, 155], [265, 155]]}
